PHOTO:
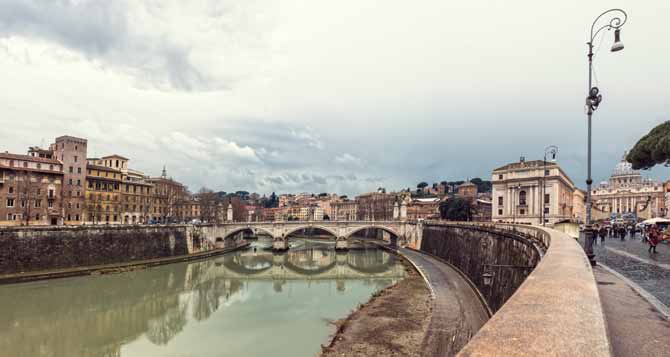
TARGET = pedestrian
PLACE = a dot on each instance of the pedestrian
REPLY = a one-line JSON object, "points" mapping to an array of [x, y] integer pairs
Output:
{"points": [[622, 232], [603, 234], [595, 234], [654, 238]]}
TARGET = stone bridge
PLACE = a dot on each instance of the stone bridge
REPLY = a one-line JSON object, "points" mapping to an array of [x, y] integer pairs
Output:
{"points": [[406, 232]]}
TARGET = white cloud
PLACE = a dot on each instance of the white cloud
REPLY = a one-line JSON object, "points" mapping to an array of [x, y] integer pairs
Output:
{"points": [[348, 159], [308, 136], [230, 149], [178, 142]]}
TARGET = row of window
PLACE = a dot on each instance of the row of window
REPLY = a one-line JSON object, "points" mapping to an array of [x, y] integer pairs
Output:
{"points": [[522, 211], [25, 165], [522, 198], [23, 203]]}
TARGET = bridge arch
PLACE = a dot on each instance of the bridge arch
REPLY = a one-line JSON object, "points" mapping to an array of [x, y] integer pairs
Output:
{"points": [[317, 226], [242, 229], [375, 226]]}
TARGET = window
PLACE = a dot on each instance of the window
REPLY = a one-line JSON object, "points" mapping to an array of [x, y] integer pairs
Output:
{"points": [[11, 189], [546, 172], [38, 203], [51, 193], [90, 184], [117, 165], [70, 181], [78, 182], [546, 210], [23, 203], [500, 177], [10, 202], [37, 217], [500, 201], [69, 205], [546, 198], [89, 171], [75, 158], [9, 216], [51, 167], [71, 169], [76, 217], [522, 198], [50, 204], [78, 170], [25, 164], [69, 217], [500, 212], [522, 212], [39, 166], [78, 193], [77, 208]]}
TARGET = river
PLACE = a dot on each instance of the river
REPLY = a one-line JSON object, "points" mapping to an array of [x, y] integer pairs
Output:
{"points": [[246, 303]]}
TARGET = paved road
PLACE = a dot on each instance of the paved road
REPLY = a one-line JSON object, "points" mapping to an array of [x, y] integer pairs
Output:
{"points": [[457, 312], [631, 259]]}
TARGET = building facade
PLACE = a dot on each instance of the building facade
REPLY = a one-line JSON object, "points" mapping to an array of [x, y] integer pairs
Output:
{"points": [[627, 193], [71, 152], [30, 190], [527, 191]]}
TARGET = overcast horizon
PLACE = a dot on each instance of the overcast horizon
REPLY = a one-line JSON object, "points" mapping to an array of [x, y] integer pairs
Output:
{"points": [[315, 96]]}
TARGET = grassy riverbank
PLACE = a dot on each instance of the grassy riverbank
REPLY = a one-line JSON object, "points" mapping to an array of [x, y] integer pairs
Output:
{"points": [[392, 323]]}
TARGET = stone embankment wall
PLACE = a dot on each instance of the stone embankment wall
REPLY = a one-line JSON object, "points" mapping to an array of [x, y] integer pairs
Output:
{"points": [[32, 249], [507, 257]]}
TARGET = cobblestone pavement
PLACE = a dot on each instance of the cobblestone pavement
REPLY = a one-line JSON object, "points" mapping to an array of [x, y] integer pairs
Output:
{"points": [[631, 259], [457, 312]]}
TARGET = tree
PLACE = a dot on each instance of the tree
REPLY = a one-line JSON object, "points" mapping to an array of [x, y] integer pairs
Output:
{"points": [[209, 204], [457, 209], [482, 185], [27, 194], [422, 185], [652, 149]]}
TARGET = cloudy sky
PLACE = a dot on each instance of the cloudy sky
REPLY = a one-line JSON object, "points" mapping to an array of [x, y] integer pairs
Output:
{"points": [[337, 96]]}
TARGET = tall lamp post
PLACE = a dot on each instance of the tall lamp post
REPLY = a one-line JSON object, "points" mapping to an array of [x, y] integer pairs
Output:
{"points": [[553, 150], [617, 18]]}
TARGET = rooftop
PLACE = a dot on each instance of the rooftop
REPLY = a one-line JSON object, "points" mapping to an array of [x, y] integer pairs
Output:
{"points": [[6, 155]]}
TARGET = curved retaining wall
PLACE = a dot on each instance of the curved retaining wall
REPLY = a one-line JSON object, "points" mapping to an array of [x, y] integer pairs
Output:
{"points": [[542, 291]]}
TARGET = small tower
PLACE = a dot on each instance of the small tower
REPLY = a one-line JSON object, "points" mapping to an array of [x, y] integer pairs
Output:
{"points": [[403, 210], [164, 173], [229, 213], [396, 211]]}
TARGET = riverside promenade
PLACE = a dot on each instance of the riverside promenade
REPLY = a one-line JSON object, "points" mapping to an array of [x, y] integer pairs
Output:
{"points": [[634, 288]]}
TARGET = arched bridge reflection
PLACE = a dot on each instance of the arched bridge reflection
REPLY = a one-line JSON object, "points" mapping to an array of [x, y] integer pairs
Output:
{"points": [[320, 262]]}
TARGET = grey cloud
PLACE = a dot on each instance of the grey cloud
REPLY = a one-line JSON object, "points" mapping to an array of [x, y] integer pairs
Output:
{"points": [[103, 31]]}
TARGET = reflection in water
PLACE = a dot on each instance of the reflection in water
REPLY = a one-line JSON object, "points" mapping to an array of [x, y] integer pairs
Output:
{"points": [[229, 305]]}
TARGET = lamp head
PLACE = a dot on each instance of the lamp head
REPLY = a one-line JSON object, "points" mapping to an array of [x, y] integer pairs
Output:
{"points": [[618, 45]]}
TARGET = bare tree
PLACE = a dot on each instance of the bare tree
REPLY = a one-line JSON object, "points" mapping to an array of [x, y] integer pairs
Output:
{"points": [[209, 205], [27, 194]]}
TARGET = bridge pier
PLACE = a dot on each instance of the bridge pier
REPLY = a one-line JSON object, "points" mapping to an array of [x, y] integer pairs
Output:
{"points": [[280, 244], [342, 243]]}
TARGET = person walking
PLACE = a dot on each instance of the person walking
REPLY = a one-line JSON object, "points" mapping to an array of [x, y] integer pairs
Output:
{"points": [[603, 234], [654, 238]]}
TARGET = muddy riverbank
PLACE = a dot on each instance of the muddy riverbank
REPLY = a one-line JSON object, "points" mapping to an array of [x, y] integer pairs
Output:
{"points": [[392, 323]]}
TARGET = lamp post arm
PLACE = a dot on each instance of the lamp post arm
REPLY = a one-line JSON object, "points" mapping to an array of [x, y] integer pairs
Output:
{"points": [[618, 19]]}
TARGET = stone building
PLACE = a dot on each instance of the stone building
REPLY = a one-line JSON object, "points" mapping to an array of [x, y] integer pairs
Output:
{"points": [[168, 195], [30, 190], [468, 190], [518, 194], [423, 208], [345, 210], [103, 194], [71, 152], [627, 194], [376, 206]]}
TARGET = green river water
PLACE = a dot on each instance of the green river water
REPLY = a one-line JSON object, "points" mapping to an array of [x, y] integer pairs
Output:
{"points": [[246, 303]]}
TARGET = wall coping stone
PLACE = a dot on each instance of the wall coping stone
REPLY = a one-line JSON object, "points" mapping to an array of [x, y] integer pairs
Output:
{"points": [[555, 312]]}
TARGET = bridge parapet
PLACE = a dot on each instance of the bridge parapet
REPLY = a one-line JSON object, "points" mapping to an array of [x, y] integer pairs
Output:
{"points": [[554, 309], [405, 231]]}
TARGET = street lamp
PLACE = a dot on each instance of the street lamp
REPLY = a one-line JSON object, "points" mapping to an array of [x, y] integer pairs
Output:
{"points": [[553, 150], [617, 18]]}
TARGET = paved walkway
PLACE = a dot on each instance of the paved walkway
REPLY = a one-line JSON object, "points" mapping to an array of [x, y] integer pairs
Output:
{"points": [[634, 326], [631, 259], [457, 311]]}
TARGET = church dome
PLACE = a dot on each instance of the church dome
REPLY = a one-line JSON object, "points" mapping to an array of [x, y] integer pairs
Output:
{"points": [[624, 168]]}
